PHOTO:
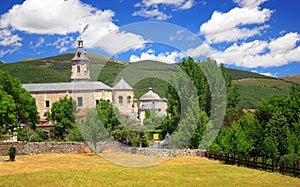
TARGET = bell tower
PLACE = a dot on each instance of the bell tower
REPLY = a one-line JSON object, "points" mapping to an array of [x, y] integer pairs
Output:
{"points": [[80, 64]]}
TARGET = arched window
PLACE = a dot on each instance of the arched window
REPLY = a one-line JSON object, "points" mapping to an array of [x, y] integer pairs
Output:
{"points": [[78, 68], [120, 99], [128, 99]]}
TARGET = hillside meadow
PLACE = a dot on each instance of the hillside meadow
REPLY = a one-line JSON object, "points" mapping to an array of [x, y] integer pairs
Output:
{"points": [[93, 170]]}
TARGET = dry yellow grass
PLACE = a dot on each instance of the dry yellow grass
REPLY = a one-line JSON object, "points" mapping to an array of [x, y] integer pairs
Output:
{"points": [[92, 170]]}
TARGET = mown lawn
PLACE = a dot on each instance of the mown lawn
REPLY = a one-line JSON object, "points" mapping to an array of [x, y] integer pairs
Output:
{"points": [[92, 170]]}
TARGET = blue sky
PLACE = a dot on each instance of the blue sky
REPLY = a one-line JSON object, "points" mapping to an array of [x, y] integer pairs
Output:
{"points": [[255, 35]]}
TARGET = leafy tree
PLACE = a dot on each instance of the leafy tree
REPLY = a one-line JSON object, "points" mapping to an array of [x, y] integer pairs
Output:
{"points": [[245, 136], [107, 115], [231, 90], [186, 128], [63, 116], [270, 147], [212, 83], [152, 121], [16, 104], [92, 129], [122, 132], [233, 140], [7, 109], [198, 134], [233, 114], [195, 72], [75, 134], [254, 132], [277, 130], [27, 134]]}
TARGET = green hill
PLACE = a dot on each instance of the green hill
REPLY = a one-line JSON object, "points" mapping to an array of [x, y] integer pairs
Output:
{"points": [[253, 90], [252, 86], [293, 78]]}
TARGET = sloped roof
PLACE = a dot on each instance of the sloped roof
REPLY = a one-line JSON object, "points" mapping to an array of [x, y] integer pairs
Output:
{"points": [[122, 85], [66, 86], [150, 96]]}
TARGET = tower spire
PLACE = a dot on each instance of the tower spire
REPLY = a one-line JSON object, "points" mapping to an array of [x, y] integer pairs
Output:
{"points": [[80, 64]]}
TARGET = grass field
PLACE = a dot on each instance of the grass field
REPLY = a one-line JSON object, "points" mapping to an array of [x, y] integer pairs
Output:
{"points": [[92, 170]]}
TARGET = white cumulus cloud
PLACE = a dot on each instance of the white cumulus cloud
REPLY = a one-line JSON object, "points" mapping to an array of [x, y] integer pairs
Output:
{"points": [[167, 57], [249, 3], [153, 14], [231, 26], [257, 53], [63, 17], [154, 9]]}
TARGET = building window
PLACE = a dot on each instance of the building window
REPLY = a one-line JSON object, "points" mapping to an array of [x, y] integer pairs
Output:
{"points": [[78, 68], [108, 100], [47, 103], [128, 99], [120, 99], [97, 101], [79, 102]]}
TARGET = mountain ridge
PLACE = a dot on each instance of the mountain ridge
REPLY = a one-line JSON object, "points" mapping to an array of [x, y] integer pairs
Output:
{"points": [[252, 86]]}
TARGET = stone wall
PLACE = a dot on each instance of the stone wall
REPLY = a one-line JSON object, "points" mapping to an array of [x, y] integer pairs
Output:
{"points": [[148, 151], [27, 148]]}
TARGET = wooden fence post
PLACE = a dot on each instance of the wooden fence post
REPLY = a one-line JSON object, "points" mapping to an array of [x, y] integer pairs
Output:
{"points": [[264, 162], [255, 161], [274, 164], [233, 159], [226, 158], [239, 160], [296, 164], [283, 166], [248, 161]]}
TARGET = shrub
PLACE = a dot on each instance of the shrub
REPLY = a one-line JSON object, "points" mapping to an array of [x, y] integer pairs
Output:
{"points": [[12, 153], [135, 141]]}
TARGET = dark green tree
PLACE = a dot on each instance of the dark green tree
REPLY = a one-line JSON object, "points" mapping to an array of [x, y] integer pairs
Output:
{"points": [[254, 132], [62, 114], [16, 104], [232, 94], [107, 115], [233, 140], [198, 133], [277, 130]]}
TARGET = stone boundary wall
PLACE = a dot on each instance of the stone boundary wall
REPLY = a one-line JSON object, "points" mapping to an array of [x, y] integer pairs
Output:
{"points": [[149, 151], [28, 148]]}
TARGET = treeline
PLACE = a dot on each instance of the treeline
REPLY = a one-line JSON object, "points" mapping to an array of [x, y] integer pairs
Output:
{"points": [[273, 130]]}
